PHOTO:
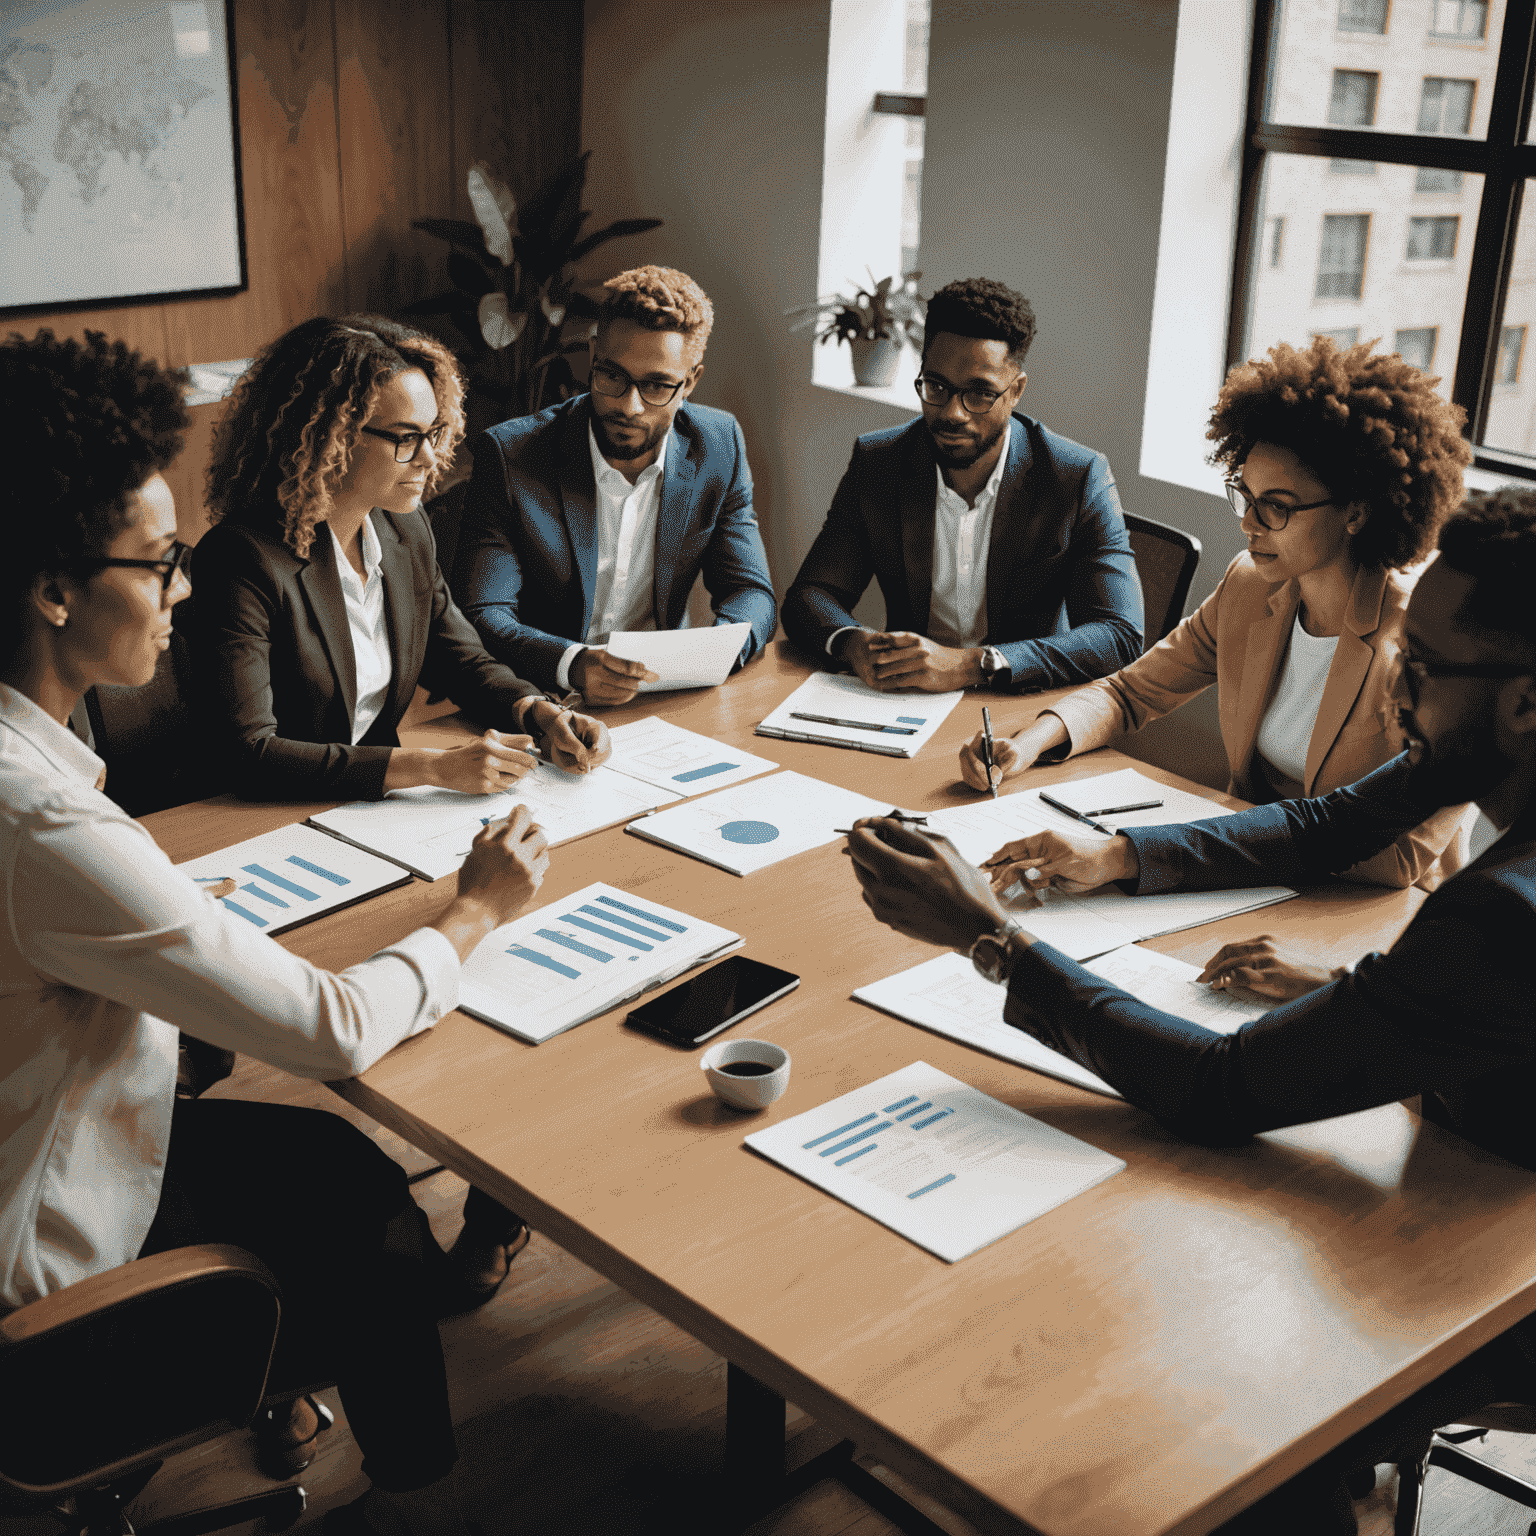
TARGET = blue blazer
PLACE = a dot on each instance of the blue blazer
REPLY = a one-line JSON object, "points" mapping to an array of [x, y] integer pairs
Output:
{"points": [[1446, 1012], [527, 555], [1063, 598]]}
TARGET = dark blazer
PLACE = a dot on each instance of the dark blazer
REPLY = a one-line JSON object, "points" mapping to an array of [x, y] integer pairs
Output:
{"points": [[1063, 598], [527, 555], [1446, 1012], [274, 663]]}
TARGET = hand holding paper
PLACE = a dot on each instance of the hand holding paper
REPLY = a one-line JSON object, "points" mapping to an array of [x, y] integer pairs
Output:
{"points": [[681, 658]]}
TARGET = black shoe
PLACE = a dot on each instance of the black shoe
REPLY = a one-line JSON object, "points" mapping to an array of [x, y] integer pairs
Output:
{"points": [[464, 1295], [281, 1459]]}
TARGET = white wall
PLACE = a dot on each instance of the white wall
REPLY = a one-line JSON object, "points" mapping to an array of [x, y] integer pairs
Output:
{"points": [[1046, 136]]}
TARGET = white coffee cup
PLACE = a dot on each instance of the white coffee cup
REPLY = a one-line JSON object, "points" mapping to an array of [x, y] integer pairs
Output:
{"points": [[746, 1092]]}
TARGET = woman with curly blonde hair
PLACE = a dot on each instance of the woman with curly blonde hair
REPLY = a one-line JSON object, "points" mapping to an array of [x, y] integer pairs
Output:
{"points": [[1343, 462]]}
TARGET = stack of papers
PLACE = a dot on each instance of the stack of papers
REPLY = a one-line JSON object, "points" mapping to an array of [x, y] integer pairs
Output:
{"points": [[578, 957], [284, 878], [682, 658], [748, 828], [947, 996], [936, 1160], [665, 755], [844, 713]]}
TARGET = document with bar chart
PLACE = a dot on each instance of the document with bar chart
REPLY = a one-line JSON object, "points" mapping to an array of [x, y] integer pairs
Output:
{"points": [[284, 878], [428, 831], [580, 956], [936, 1160], [834, 709], [657, 752]]}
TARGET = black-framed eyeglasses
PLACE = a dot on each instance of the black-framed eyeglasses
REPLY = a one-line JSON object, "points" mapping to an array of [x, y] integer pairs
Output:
{"points": [[1415, 671], [178, 561], [936, 391], [605, 379], [408, 444], [1273, 515]]}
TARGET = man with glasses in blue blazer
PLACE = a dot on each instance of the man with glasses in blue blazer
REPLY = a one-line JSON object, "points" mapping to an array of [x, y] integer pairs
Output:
{"points": [[597, 515], [999, 546]]}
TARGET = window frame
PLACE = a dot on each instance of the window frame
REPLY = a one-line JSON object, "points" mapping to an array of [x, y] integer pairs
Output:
{"points": [[1503, 159]]}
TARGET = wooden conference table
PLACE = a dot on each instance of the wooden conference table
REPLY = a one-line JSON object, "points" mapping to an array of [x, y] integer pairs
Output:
{"points": [[1148, 1358]]}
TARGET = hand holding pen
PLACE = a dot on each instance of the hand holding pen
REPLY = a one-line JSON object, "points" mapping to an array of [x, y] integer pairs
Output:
{"points": [[987, 757]]}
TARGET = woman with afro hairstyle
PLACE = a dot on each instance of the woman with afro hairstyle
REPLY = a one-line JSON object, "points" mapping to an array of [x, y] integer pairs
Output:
{"points": [[1342, 465], [109, 950]]}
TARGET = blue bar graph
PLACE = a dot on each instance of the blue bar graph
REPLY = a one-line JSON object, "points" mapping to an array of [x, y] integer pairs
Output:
{"points": [[890, 1109], [279, 882], [650, 917], [544, 960], [567, 943], [314, 869], [838, 1146], [868, 1147], [917, 1125], [256, 890], [929, 1188], [913, 719], [606, 933], [250, 917], [916, 1109], [827, 1136], [624, 922], [703, 773]]}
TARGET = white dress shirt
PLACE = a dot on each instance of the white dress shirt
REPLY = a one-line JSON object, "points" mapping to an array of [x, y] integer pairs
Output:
{"points": [[364, 597], [106, 952], [1285, 732], [624, 596]]}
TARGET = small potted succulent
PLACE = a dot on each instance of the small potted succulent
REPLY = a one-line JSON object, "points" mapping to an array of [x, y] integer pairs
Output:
{"points": [[875, 322]]}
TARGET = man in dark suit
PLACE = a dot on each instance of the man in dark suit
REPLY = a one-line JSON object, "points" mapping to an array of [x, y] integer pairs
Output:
{"points": [[1446, 1013], [999, 546], [597, 515]]}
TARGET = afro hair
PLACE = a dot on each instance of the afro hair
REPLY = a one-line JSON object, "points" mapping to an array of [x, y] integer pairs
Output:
{"points": [[660, 299], [1492, 538], [977, 306]]}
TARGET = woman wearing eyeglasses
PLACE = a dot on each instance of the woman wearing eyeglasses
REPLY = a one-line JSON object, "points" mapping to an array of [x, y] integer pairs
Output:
{"points": [[320, 604], [1342, 465]]}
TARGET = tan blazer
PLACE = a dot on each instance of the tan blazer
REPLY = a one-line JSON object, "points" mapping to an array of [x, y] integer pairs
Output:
{"points": [[1237, 638]]}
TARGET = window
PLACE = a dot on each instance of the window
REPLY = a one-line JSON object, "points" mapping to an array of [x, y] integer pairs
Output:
{"points": [[1341, 264], [1431, 239], [1362, 15], [1445, 106], [1430, 178], [1511, 345], [1352, 104], [1416, 346], [1276, 241], [1460, 18], [1345, 336], [911, 104]]}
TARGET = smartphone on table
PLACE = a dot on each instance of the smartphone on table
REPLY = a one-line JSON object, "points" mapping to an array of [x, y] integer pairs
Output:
{"points": [[712, 1001]]}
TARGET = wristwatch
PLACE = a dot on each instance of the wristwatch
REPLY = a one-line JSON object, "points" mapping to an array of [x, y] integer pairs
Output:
{"points": [[992, 663], [991, 954]]}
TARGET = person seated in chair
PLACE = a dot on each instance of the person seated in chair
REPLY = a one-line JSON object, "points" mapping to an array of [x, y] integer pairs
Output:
{"points": [[596, 516], [1343, 464], [999, 546], [1445, 1013], [109, 949]]}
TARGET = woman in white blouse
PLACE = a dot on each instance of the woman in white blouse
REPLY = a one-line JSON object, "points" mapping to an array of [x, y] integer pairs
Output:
{"points": [[109, 950]]}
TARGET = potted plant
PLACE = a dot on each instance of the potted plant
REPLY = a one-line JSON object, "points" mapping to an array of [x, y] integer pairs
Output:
{"points": [[875, 322], [514, 289]]}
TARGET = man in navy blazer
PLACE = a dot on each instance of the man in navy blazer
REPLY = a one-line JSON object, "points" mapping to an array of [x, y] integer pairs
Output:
{"points": [[999, 546], [597, 515], [1446, 1013]]}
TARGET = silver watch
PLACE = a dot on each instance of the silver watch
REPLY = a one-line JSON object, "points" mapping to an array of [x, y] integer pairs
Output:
{"points": [[992, 662], [991, 955]]}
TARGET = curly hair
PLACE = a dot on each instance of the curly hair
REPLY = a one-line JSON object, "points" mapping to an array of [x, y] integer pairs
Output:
{"points": [[660, 299], [979, 307], [1492, 538], [288, 434], [98, 420], [1369, 426]]}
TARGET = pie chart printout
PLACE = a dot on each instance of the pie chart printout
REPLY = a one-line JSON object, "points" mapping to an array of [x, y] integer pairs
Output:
{"points": [[749, 831]]}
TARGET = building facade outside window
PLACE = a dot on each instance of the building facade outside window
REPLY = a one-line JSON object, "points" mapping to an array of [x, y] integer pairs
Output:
{"points": [[1416, 345], [1432, 239], [1362, 15], [1460, 18], [1341, 263]]}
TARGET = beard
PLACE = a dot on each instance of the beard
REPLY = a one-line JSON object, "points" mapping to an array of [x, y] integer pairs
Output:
{"points": [[1460, 767], [963, 454], [624, 452]]}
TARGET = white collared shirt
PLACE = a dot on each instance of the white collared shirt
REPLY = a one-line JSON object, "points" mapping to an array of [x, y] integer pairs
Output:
{"points": [[623, 598], [107, 951], [364, 597]]}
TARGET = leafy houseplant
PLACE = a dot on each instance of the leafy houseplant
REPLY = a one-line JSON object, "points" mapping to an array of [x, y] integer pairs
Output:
{"points": [[514, 290], [873, 321]]}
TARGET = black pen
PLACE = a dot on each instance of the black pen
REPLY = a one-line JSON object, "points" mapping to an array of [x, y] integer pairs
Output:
{"points": [[1067, 810], [911, 821], [856, 725], [1121, 810], [986, 748]]}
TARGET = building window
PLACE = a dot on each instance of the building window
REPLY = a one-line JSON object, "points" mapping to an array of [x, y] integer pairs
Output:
{"points": [[1430, 178], [1341, 263], [1511, 345], [1460, 18], [1445, 106], [1362, 15], [1352, 104], [1275, 242], [1344, 336], [1432, 239], [1416, 346]]}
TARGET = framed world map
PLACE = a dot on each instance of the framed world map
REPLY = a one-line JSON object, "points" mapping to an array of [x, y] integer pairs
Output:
{"points": [[118, 166]]}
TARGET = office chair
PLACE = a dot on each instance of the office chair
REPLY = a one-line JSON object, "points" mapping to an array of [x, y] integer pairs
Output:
{"points": [[101, 1381], [1165, 561], [1443, 1449]]}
